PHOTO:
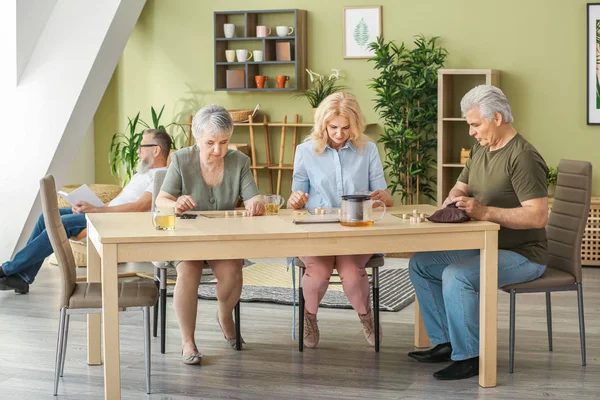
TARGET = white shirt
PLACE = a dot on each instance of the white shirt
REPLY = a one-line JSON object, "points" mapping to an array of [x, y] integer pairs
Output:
{"points": [[136, 187]]}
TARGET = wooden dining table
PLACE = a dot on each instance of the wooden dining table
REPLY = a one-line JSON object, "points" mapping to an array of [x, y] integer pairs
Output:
{"points": [[131, 237]]}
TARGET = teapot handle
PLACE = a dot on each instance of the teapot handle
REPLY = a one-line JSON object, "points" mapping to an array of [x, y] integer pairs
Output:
{"points": [[384, 208]]}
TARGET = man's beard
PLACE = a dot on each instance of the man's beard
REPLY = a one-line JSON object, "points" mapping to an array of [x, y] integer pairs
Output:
{"points": [[142, 167]]}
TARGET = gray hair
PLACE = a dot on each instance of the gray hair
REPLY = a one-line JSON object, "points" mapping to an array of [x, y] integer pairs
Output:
{"points": [[213, 120], [490, 101]]}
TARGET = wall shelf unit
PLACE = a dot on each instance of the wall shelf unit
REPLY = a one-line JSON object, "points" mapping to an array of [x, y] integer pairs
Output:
{"points": [[245, 23], [453, 131]]}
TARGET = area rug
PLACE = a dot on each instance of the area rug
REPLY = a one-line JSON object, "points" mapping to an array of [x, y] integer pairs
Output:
{"points": [[266, 281]]}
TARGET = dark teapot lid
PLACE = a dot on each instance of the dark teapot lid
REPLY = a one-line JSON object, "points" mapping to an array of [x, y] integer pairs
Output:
{"points": [[356, 197]]}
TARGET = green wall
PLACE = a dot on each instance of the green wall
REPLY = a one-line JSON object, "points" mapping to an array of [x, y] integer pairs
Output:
{"points": [[539, 45]]}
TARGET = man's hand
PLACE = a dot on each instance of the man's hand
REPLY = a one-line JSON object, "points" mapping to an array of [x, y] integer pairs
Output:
{"points": [[184, 203], [82, 207], [255, 207], [298, 199], [384, 196], [472, 207], [447, 201]]}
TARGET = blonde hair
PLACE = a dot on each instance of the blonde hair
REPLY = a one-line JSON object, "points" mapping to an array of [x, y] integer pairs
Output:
{"points": [[336, 105]]}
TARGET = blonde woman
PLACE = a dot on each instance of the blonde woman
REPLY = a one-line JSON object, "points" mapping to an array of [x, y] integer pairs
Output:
{"points": [[335, 160]]}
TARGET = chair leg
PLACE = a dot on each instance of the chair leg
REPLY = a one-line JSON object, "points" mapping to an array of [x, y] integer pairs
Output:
{"points": [[238, 329], [511, 339], [301, 312], [549, 320], [155, 321], [163, 309], [376, 305], [64, 350], [581, 323], [147, 353], [59, 347]]}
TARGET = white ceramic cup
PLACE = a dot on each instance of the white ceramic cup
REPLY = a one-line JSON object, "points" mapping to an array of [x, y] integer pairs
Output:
{"points": [[229, 30], [230, 55], [258, 55], [243, 55], [284, 30]]}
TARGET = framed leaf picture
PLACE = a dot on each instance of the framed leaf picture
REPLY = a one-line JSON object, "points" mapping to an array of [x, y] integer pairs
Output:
{"points": [[593, 64], [362, 25]]}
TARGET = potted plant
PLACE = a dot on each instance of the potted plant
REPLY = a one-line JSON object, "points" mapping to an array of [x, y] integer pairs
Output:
{"points": [[322, 87], [552, 178], [406, 99], [122, 156]]}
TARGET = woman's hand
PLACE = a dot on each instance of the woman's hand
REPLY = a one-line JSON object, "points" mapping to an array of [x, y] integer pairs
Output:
{"points": [[384, 196], [255, 207], [184, 203], [298, 199]]}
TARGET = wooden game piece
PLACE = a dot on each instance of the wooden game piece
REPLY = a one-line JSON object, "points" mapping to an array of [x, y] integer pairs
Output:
{"points": [[235, 213], [244, 213], [227, 214], [404, 216], [422, 216]]}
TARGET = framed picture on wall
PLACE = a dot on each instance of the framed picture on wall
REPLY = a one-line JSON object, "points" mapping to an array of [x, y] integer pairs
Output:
{"points": [[593, 64], [362, 25]]}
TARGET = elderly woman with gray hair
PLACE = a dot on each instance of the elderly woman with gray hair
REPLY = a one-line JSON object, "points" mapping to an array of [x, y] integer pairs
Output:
{"points": [[206, 177], [503, 181]]}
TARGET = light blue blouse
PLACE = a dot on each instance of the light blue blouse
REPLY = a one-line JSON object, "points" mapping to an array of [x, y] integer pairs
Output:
{"points": [[328, 176]]}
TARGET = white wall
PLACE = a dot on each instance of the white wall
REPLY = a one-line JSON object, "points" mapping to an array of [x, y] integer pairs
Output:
{"points": [[82, 169], [32, 16], [58, 94]]}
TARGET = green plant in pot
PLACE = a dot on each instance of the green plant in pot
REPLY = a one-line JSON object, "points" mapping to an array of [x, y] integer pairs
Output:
{"points": [[406, 100], [552, 179], [322, 86], [122, 156]]}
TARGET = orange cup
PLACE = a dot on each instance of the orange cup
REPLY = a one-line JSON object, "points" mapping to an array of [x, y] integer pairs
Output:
{"points": [[281, 80], [260, 81]]}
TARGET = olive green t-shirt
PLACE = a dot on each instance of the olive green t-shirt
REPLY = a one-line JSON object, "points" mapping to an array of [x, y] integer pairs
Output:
{"points": [[504, 178], [184, 176]]}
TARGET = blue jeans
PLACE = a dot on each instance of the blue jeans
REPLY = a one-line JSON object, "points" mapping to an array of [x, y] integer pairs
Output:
{"points": [[447, 287], [28, 261]]}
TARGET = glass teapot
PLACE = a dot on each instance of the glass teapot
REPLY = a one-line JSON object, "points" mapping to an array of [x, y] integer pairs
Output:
{"points": [[357, 210]]}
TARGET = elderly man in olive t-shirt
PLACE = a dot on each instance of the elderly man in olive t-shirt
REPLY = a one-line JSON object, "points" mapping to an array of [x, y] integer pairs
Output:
{"points": [[503, 181]]}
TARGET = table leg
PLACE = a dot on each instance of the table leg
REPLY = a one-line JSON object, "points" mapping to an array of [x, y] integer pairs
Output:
{"points": [[421, 338], [110, 323], [488, 311], [93, 320]]}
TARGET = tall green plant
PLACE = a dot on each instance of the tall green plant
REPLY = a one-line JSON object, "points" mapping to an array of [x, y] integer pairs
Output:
{"points": [[406, 99], [122, 156]]}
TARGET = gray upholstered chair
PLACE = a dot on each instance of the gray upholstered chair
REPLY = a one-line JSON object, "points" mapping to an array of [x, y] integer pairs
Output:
{"points": [[565, 228], [160, 280], [85, 297], [374, 263]]}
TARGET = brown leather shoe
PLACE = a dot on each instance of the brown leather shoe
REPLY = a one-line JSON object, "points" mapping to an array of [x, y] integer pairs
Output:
{"points": [[368, 323], [311, 330]]}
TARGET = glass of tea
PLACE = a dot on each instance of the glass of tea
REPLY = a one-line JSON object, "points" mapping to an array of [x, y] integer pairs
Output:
{"points": [[273, 202], [163, 218]]}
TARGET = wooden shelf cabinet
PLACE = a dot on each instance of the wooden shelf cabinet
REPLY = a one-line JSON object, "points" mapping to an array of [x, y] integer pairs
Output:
{"points": [[453, 131], [246, 23]]}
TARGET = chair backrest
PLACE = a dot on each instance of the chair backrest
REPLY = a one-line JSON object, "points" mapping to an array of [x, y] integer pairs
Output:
{"points": [[159, 178], [569, 216], [58, 238]]}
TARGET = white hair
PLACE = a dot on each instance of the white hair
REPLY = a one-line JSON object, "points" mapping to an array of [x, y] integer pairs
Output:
{"points": [[213, 120], [490, 101]]}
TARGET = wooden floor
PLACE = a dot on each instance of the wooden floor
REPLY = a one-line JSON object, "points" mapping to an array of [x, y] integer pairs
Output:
{"points": [[270, 367]]}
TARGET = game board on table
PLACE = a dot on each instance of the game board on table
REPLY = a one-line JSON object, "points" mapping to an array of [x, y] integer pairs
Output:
{"points": [[226, 214]]}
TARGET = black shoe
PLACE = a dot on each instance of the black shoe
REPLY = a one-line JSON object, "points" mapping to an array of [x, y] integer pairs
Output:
{"points": [[459, 370], [15, 282], [439, 353]]}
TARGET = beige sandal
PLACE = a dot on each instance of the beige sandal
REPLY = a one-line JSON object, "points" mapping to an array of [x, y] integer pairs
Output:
{"points": [[230, 342]]}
